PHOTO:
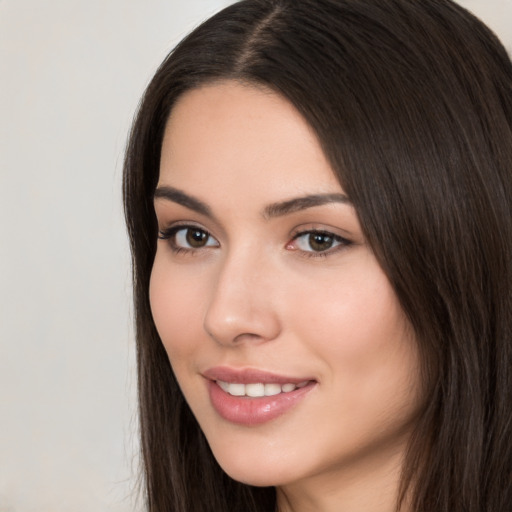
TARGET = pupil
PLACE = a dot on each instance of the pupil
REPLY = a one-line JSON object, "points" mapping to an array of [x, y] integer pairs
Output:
{"points": [[319, 242], [196, 237]]}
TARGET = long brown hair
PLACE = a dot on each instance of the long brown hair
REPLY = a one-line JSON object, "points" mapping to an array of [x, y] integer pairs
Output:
{"points": [[411, 101]]}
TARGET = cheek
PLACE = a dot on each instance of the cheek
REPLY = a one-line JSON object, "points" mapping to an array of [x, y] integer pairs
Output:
{"points": [[353, 308], [357, 327], [176, 309], [370, 355]]}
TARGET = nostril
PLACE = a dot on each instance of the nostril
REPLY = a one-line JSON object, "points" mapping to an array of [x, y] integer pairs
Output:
{"points": [[245, 327], [247, 337]]}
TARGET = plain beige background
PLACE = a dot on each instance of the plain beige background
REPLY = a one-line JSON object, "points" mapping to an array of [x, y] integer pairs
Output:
{"points": [[71, 74]]}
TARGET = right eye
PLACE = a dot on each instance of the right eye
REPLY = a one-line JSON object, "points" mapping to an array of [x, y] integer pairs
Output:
{"points": [[187, 238]]}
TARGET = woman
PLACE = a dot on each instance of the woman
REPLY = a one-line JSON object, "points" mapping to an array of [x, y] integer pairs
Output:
{"points": [[318, 195]]}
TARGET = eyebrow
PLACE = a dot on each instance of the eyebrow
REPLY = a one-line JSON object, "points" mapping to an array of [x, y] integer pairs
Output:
{"points": [[302, 203], [179, 197], [273, 210]]}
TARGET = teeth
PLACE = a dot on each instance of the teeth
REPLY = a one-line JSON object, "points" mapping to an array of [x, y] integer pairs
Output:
{"points": [[272, 389], [223, 385], [236, 389], [254, 389], [258, 389]]}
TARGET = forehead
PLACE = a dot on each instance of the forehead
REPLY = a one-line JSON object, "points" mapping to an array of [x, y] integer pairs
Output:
{"points": [[240, 110], [229, 138]]}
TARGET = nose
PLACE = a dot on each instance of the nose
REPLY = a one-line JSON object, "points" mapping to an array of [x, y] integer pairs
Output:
{"points": [[242, 306]]}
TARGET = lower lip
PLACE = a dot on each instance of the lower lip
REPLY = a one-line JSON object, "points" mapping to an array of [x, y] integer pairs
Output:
{"points": [[249, 411]]}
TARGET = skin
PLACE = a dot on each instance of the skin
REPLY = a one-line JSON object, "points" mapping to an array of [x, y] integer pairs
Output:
{"points": [[256, 295]]}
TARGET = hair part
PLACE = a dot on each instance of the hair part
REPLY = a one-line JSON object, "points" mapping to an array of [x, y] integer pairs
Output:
{"points": [[412, 104]]}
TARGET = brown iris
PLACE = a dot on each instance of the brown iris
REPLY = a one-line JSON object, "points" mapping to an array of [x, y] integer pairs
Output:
{"points": [[320, 241], [196, 238]]}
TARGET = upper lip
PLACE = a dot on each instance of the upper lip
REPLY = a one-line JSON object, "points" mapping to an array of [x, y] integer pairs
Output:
{"points": [[249, 376]]}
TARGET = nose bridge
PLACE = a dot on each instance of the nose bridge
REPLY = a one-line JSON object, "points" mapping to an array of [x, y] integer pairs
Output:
{"points": [[241, 305]]}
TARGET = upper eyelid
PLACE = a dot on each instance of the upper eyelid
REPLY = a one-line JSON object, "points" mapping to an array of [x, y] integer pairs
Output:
{"points": [[335, 236], [322, 228], [342, 244], [183, 225], [178, 226], [167, 220], [168, 235], [304, 231], [345, 238]]}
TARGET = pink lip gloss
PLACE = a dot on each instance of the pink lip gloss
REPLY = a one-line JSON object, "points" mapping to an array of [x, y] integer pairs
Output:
{"points": [[246, 410]]}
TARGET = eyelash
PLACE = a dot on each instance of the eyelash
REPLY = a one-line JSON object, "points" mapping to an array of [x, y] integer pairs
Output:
{"points": [[170, 234], [339, 240]]}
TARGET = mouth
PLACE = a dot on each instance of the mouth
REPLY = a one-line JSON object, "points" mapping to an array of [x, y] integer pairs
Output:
{"points": [[259, 389], [251, 397]]}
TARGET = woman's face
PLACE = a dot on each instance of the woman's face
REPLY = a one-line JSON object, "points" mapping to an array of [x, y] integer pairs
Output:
{"points": [[285, 335]]}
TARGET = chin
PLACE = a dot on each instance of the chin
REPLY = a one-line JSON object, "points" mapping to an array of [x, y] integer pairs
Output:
{"points": [[251, 468], [255, 476]]}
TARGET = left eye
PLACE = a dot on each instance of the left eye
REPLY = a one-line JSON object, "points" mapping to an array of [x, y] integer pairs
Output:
{"points": [[318, 241]]}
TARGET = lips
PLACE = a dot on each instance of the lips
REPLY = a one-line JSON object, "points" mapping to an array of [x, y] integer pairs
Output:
{"points": [[252, 397]]}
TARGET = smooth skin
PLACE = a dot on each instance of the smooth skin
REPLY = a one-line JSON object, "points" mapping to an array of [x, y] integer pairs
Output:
{"points": [[292, 291]]}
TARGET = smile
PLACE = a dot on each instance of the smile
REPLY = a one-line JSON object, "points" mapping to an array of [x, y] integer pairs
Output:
{"points": [[252, 397], [258, 389]]}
